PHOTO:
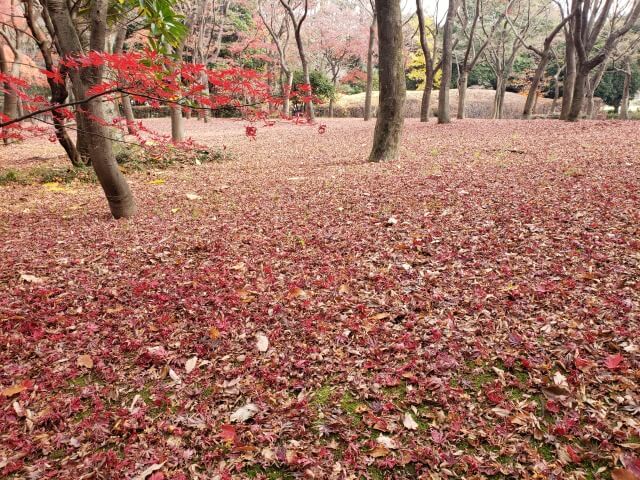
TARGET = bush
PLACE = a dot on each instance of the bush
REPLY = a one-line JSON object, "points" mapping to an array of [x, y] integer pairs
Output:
{"points": [[321, 86]]}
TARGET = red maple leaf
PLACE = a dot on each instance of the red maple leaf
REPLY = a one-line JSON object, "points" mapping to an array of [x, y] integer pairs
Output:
{"points": [[228, 433], [613, 361]]}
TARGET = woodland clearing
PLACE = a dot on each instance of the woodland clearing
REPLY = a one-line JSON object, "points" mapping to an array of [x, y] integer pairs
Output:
{"points": [[470, 310]]}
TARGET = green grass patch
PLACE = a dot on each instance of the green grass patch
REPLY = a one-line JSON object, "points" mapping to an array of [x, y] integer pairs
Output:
{"points": [[272, 473], [398, 392], [39, 175], [351, 406], [322, 396]]}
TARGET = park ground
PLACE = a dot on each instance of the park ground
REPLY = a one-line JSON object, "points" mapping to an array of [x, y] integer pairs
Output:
{"points": [[470, 310]]}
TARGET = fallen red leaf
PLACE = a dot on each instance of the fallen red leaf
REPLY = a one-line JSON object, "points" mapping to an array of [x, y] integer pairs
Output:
{"points": [[613, 361]]}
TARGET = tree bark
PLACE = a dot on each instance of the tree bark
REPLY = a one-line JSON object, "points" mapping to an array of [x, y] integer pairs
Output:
{"points": [[591, 90], [177, 122], [113, 183], [286, 93], [579, 88], [463, 80], [498, 98], [127, 109], [10, 107], [444, 115], [569, 76], [532, 95], [59, 92], [429, 70], [297, 24], [425, 104], [624, 102], [390, 118], [369, 90]]}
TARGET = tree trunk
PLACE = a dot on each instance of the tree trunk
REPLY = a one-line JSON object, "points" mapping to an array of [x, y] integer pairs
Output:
{"points": [[128, 115], [82, 137], [463, 79], [10, 108], [369, 91], [498, 99], [177, 124], [592, 86], [425, 105], [113, 183], [556, 93], [529, 105], [390, 118], [624, 102], [569, 77], [286, 93], [428, 65], [578, 95], [59, 92], [444, 115], [501, 100]]}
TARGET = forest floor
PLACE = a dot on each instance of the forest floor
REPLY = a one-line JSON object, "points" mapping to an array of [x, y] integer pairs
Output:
{"points": [[468, 311]]}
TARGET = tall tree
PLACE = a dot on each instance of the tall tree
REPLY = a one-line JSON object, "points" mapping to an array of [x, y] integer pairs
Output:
{"points": [[544, 56], [388, 130], [298, 21], [504, 47], [430, 65], [444, 115], [569, 79], [372, 41], [59, 92], [12, 35], [113, 183], [469, 16], [588, 23], [278, 28]]}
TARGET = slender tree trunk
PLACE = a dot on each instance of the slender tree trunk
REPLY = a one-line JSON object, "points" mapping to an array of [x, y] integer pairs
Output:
{"points": [[428, 65], [128, 115], [10, 107], [59, 95], [177, 122], [444, 115], [425, 105], [624, 102], [286, 93], [569, 77], [104, 163], [593, 83], [498, 99], [529, 104], [501, 100], [556, 93], [390, 118], [59, 92], [463, 80], [369, 90]]}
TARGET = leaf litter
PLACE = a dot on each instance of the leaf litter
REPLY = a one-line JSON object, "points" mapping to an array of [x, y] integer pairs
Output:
{"points": [[463, 312]]}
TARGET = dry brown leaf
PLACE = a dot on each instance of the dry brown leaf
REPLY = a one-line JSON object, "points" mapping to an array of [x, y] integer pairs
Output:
{"points": [[84, 361], [190, 364], [623, 474], [13, 390]]}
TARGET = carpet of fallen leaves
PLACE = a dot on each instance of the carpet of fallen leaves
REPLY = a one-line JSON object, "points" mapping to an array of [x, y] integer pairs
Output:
{"points": [[468, 311]]}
